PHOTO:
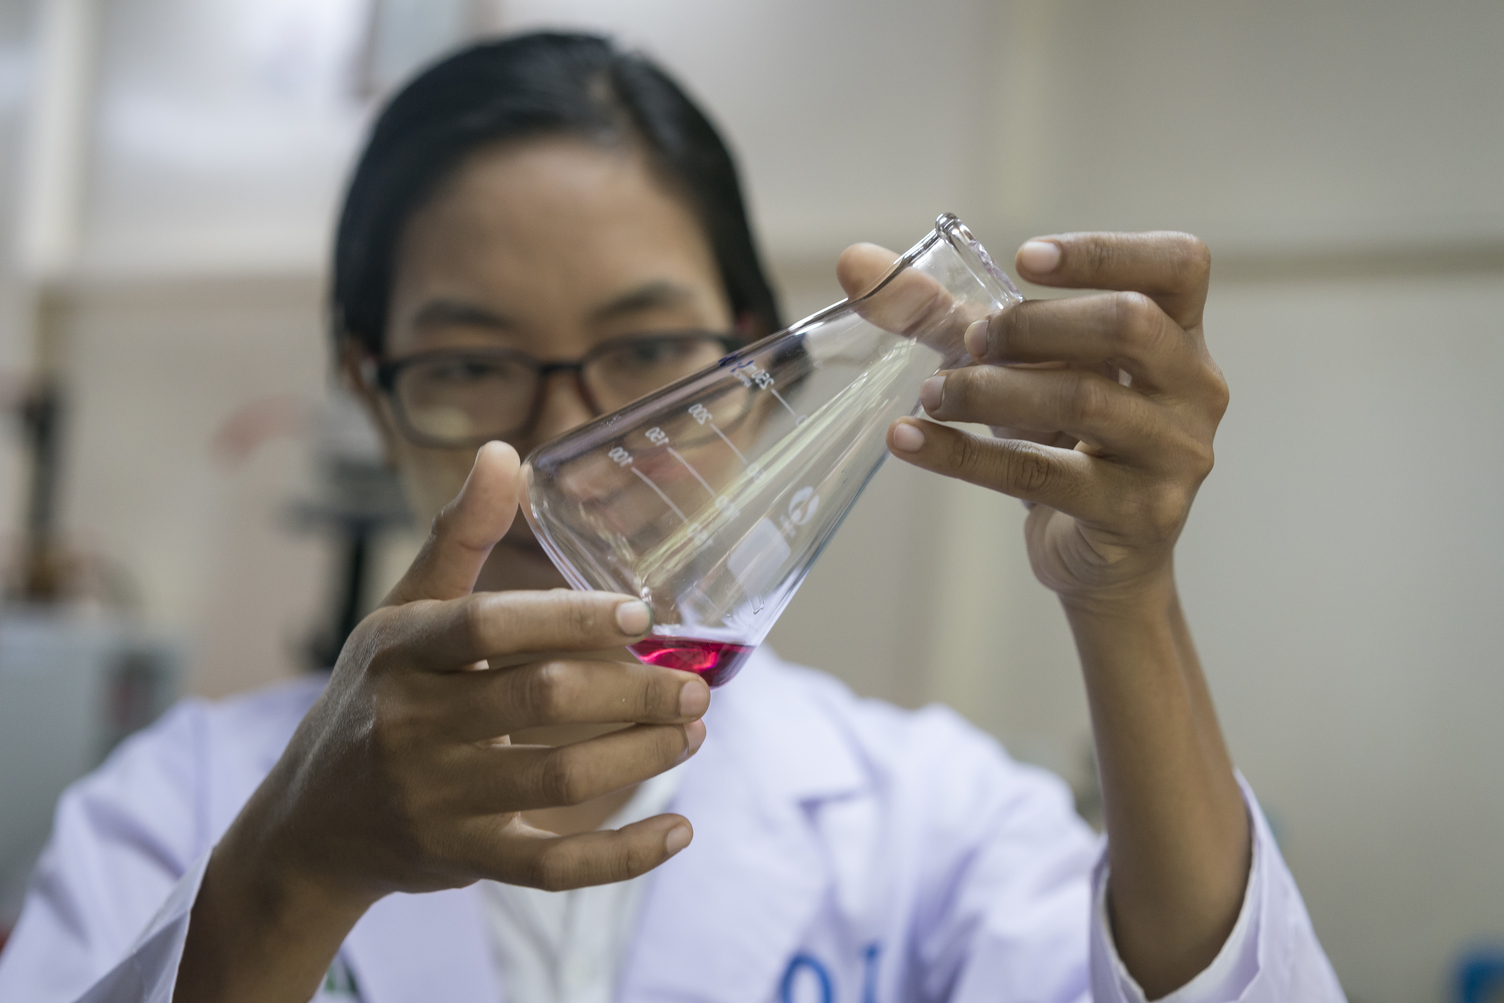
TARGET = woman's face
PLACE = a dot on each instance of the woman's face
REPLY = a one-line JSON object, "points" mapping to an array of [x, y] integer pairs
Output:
{"points": [[550, 247]]}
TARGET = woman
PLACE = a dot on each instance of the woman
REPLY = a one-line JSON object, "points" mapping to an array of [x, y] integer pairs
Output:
{"points": [[531, 220]]}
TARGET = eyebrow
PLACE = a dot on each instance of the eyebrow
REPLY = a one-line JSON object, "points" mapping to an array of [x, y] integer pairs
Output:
{"points": [[656, 295], [444, 312]]}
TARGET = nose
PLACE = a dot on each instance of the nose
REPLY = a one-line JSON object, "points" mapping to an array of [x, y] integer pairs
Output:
{"points": [[563, 406]]}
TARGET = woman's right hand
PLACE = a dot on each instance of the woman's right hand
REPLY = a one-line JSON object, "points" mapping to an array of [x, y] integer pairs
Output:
{"points": [[400, 778]]}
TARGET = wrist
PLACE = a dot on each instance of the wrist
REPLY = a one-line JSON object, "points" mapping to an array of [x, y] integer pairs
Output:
{"points": [[261, 928], [1150, 599], [277, 873]]}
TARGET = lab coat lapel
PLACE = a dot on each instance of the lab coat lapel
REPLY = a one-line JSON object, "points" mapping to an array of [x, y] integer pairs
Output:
{"points": [[722, 919], [420, 948]]}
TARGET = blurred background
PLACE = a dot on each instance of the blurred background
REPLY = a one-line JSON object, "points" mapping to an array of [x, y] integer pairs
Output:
{"points": [[188, 507]]}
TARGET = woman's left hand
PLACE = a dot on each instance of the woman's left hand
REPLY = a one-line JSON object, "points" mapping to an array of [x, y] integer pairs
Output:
{"points": [[1108, 469]]}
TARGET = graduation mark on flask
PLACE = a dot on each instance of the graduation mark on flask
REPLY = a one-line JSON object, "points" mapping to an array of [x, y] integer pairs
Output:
{"points": [[751, 374], [701, 537], [659, 437], [701, 414]]}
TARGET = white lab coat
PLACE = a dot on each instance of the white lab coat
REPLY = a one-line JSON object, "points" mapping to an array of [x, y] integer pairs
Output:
{"points": [[845, 851]]}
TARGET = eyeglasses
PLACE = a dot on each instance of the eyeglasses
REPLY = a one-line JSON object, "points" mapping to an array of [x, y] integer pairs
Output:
{"points": [[454, 398]]}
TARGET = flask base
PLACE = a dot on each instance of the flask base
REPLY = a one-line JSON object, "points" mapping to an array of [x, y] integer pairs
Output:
{"points": [[714, 661]]}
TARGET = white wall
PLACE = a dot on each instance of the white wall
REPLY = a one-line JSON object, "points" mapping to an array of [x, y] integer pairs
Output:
{"points": [[1344, 570]]}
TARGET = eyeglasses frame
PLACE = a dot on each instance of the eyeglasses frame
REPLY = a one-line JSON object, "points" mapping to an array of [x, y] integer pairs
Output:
{"points": [[382, 374]]}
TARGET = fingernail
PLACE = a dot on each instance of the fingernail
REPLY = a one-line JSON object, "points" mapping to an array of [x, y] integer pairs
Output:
{"points": [[1039, 256], [634, 617], [695, 732], [694, 699], [931, 391], [976, 339], [908, 438], [677, 839]]}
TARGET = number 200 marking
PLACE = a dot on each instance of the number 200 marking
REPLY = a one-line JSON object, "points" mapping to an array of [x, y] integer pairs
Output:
{"points": [[700, 413]]}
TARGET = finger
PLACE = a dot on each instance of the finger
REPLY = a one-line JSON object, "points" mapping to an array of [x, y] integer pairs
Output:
{"points": [[1061, 439], [465, 531], [538, 859], [1171, 268], [1125, 330], [909, 303], [1063, 479], [1091, 408], [458, 633], [488, 704], [529, 777]]}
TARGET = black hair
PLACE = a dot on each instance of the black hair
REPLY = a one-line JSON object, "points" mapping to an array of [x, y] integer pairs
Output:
{"points": [[527, 86]]}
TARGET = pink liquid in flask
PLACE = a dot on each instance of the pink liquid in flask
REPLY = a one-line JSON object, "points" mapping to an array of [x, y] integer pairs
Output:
{"points": [[714, 661]]}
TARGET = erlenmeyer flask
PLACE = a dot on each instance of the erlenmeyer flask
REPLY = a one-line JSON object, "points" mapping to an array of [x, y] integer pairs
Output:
{"points": [[712, 497]]}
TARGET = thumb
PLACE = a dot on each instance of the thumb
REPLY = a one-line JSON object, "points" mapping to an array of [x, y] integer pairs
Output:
{"points": [[465, 530]]}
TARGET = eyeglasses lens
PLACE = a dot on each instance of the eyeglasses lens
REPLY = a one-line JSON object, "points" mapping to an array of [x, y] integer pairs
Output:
{"points": [[629, 371], [464, 398]]}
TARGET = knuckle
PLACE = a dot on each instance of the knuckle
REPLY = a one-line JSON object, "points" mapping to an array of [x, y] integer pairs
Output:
{"points": [[1188, 258], [1083, 396], [1028, 468], [552, 870], [442, 522], [634, 859], [1164, 511], [474, 622], [1196, 457], [965, 453], [657, 697], [1138, 324], [1203, 457], [1198, 257], [1220, 393], [1099, 252], [396, 724], [546, 692], [580, 617], [673, 743], [1206, 459], [560, 781]]}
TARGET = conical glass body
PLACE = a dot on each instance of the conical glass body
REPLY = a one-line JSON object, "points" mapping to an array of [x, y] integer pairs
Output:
{"points": [[712, 497]]}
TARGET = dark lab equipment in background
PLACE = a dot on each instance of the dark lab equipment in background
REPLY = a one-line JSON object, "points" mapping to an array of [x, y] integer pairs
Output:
{"points": [[359, 498], [40, 576]]}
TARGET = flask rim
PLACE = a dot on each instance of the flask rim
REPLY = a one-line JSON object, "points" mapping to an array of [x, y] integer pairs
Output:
{"points": [[949, 228]]}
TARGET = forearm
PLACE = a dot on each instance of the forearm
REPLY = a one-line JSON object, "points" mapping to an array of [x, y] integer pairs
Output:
{"points": [[1178, 836]]}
